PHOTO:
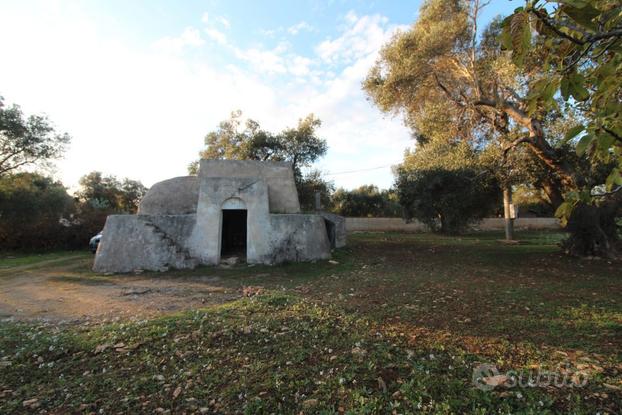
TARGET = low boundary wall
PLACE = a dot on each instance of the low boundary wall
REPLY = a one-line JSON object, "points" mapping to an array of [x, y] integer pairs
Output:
{"points": [[487, 224]]}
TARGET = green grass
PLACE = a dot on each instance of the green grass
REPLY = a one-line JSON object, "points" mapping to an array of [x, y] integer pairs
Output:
{"points": [[396, 326], [9, 260]]}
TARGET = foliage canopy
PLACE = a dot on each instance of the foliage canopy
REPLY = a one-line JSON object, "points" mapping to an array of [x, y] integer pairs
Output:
{"points": [[27, 141]]}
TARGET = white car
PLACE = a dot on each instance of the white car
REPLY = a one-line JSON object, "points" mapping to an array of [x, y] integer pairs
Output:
{"points": [[94, 242]]}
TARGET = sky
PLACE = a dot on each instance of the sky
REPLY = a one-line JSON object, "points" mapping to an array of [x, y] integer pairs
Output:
{"points": [[138, 84]]}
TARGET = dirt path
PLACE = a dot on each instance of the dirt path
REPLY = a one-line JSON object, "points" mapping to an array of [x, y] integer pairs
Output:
{"points": [[64, 289]]}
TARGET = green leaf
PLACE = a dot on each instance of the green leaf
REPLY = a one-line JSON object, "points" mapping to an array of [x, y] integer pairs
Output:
{"points": [[520, 32], [576, 87], [506, 37], [564, 210], [537, 88], [582, 15], [565, 88], [585, 196], [549, 90], [605, 141], [583, 144], [573, 132], [614, 179]]}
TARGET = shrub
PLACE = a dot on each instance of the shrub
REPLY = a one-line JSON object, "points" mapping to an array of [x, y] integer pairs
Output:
{"points": [[447, 201]]}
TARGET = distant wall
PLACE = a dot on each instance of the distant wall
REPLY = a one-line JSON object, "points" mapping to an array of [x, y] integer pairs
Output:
{"points": [[487, 224], [383, 225]]}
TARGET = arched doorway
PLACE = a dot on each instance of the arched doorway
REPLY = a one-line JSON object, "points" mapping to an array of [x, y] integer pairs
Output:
{"points": [[233, 228]]}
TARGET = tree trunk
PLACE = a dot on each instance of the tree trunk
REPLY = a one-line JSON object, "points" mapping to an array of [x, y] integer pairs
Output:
{"points": [[509, 221], [593, 230], [553, 192]]}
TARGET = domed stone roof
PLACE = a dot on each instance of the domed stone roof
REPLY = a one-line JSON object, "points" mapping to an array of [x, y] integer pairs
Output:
{"points": [[176, 196]]}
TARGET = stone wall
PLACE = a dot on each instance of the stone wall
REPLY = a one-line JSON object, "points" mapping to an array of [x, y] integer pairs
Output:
{"points": [[131, 242], [215, 192], [279, 177], [488, 224], [297, 238], [336, 228]]}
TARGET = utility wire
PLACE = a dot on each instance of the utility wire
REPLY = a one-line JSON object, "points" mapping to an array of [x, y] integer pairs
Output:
{"points": [[358, 171]]}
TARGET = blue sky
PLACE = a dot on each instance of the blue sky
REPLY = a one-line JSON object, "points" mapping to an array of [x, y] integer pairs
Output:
{"points": [[139, 83]]}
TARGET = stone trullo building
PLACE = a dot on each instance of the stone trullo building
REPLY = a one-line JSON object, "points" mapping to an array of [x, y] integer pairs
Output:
{"points": [[249, 209]]}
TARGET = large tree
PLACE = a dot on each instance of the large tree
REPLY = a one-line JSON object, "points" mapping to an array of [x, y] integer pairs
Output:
{"points": [[581, 42], [301, 146], [27, 141], [485, 95], [235, 140]]}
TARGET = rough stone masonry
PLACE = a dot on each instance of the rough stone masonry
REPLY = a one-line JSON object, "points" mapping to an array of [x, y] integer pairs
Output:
{"points": [[242, 209]]}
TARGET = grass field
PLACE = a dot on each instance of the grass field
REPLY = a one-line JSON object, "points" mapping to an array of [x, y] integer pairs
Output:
{"points": [[397, 325]]}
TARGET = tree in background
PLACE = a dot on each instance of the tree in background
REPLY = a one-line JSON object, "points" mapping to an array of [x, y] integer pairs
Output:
{"points": [[366, 201], [109, 193], [31, 209], [447, 201], [36, 212], [300, 146], [100, 196], [311, 184], [27, 141]]}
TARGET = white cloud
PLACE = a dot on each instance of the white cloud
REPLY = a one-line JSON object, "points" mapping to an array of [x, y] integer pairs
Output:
{"points": [[224, 21], [268, 32], [263, 61], [362, 36], [211, 31], [189, 37], [298, 27], [216, 35], [142, 114], [279, 60], [299, 66]]}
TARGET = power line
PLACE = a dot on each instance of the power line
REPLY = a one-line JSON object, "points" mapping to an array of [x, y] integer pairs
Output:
{"points": [[358, 171]]}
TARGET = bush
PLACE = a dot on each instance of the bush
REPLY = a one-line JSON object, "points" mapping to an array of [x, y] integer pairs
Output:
{"points": [[37, 213], [31, 206], [447, 201]]}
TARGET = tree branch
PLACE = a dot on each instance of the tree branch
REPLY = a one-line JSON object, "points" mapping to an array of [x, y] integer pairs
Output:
{"points": [[616, 136], [15, 166], [605, 35], [544, 18], [446, 91], [513, 144]]}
